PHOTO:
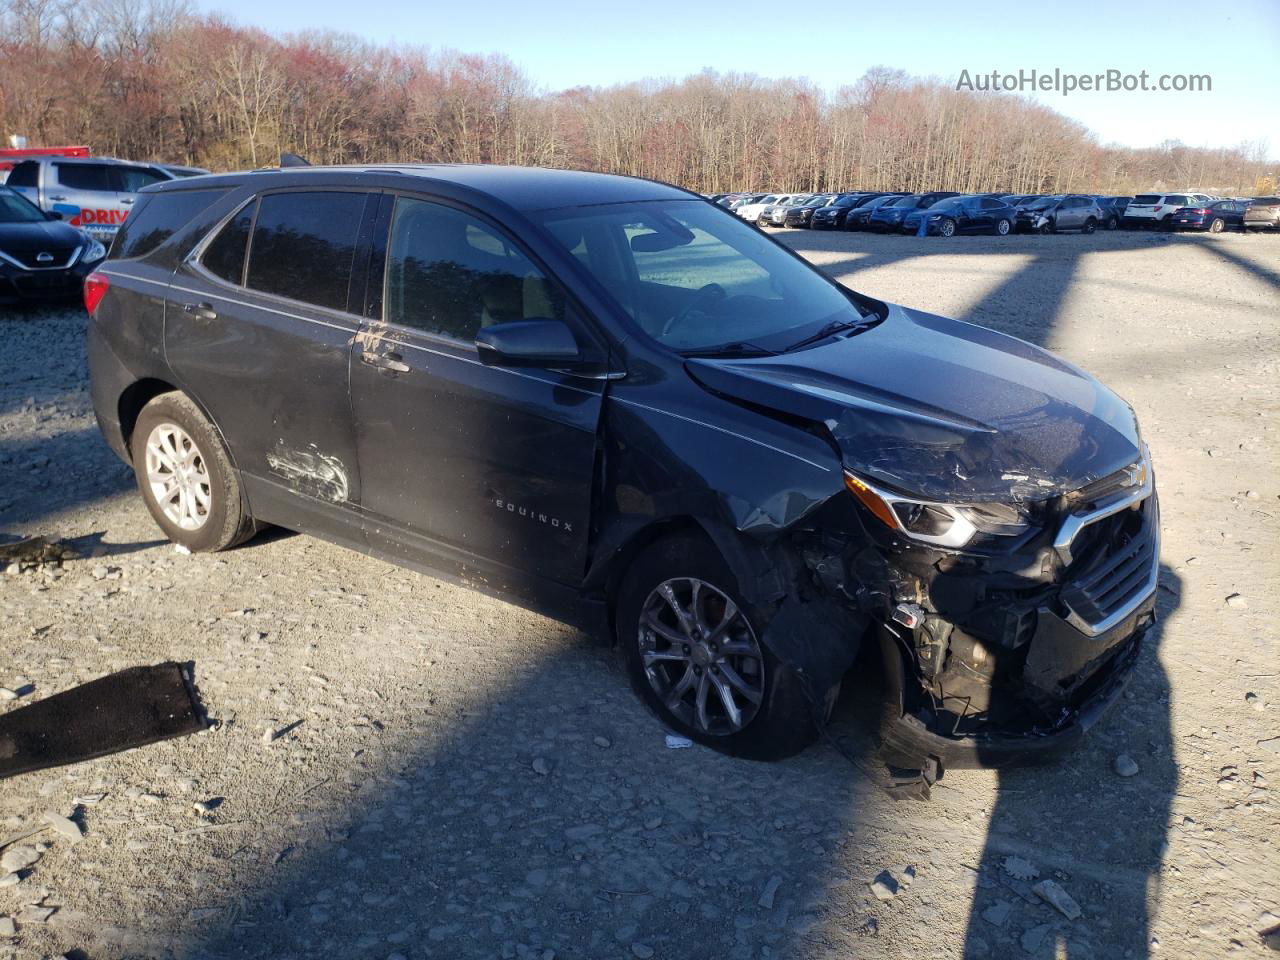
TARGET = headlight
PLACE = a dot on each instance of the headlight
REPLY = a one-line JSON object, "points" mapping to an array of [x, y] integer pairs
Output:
{"points": [[942, 524], [93, 250]]}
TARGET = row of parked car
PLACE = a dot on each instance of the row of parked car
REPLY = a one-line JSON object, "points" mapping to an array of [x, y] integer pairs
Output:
{"points": [[948, 212], [58, 215]]}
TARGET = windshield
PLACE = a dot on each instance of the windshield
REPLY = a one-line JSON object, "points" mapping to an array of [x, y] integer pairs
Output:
{"points": [[697, 280], [818, 202], [907, 201], [1043, 203], [15, 208]]}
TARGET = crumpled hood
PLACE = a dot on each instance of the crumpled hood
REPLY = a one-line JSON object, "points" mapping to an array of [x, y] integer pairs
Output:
{"points": [[943, 409]]}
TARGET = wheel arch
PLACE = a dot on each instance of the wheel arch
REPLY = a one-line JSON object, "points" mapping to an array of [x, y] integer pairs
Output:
{"points": [[141, 392]]}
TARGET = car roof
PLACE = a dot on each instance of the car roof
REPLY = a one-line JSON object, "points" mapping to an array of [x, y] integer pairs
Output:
{"points": [[524, 188]]}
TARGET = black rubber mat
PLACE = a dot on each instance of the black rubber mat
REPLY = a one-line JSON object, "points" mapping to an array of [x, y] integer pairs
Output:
{"points": [[118, 712]]}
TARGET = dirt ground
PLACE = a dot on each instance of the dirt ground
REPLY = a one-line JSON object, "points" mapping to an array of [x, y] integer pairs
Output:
{"points": [[460, 778]]}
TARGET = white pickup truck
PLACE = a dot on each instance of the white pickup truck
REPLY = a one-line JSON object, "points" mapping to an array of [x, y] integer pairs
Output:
{"points": [[93, 194]]}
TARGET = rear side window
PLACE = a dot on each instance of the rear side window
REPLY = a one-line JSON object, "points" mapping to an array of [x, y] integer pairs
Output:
{"points": [[156, 218], [304, 244], [133, 179], [85, 176], [224, 257], [24, 174], [1147, 198], [1178, 199], [450, 273]]}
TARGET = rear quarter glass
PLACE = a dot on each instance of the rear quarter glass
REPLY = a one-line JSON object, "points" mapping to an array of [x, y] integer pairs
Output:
{"points": [[156, 217]]}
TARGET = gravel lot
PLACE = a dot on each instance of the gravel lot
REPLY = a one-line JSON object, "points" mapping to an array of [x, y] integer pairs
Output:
{"points": [[461, 778]]}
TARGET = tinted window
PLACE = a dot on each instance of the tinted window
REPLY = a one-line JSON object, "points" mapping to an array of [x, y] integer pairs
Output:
{"points": [[991, 204], [304, 244], [23, 174], [85, 176], [133, 179], [156, 218], [1147, 198], [1177, 198], [450, 273], [224, 257]]}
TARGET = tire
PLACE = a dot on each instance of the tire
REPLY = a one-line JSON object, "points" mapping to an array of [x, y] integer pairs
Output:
{"points": [[1113, 223], [777, 724], [210, 513], [1166, 222], [947, 228], [1048, 227], [1090, 225], [1002, 228], [1217, 225]]}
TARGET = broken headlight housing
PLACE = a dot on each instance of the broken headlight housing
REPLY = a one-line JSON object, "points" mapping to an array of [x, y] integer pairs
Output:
{"points": [[952, 525]]}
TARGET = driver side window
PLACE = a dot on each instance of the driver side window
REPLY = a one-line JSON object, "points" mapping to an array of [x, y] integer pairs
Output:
{"points": [[450, 273]]}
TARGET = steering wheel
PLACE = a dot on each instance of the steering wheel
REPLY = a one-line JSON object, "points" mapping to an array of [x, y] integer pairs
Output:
{"points": [[703, 298]]}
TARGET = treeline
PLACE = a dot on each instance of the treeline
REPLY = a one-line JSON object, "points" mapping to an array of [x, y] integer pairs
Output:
{"points": [[148, 80]]}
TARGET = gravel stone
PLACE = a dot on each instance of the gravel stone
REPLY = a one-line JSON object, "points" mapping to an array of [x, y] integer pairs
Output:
{"points": [[1124, 765]]}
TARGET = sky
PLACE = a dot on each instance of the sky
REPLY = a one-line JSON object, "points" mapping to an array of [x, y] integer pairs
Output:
{"points": [[568, 43]]}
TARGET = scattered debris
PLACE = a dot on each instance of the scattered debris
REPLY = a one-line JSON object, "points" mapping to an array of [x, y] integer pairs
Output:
{"points": [[540, 766], [642, 950], [89, 799], [36, 914], [770, 889], [1055, 896], [19, 858], [32, 552], [678, 743], [1236, 600], [10, 879], [64, 826], [1020, 869], [1255, 701], [602, 742], [906, 875], [117, 712], [998, 913], [183, 550], [7, 927], [871, 928], [1229, 777], [1032, 938], [1125, 765], [884, 886]]}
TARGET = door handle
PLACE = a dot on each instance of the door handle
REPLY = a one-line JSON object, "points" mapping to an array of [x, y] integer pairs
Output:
{"points": [[58, 196], [201, 311], [386, 361], [127, 201]]}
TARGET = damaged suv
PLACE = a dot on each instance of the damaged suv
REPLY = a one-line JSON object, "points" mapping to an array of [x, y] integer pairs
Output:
{"points": [[610, 400]]}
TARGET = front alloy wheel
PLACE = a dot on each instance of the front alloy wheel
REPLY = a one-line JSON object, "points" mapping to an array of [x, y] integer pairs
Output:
{"points": [[701, 656], [947, 228], [1002, 228]]}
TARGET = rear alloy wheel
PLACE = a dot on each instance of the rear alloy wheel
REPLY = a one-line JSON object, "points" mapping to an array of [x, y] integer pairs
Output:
{"points": [[947, 228], [186, 478], [1002, 228], [1090, 225], [695, 654], [1112, 223], [1217, 226]]}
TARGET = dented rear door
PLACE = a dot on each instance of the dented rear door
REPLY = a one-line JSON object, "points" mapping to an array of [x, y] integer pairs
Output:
{"points": [[258, 329]]}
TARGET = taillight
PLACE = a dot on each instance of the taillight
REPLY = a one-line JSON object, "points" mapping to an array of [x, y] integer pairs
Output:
{"points": [[1156, 208], [95, 287]]}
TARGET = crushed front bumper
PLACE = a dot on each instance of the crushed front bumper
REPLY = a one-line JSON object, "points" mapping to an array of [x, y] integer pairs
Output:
{"points": [[1056, 646]]}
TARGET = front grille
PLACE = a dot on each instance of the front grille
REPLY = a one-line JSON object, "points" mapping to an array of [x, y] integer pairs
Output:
{"points": [[28, 258], [1114, 567]]}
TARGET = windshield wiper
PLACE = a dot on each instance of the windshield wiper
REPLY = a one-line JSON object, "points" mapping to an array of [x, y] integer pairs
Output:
{"points": [[831, 329], [731, 350]]}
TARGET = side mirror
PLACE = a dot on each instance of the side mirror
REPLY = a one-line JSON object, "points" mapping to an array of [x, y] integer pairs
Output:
{"points": [[530, 343], [53, 215]]}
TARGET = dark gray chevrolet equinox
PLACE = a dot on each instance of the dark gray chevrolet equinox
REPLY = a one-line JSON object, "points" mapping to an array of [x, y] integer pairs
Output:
{"points": [[610, 400]]}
